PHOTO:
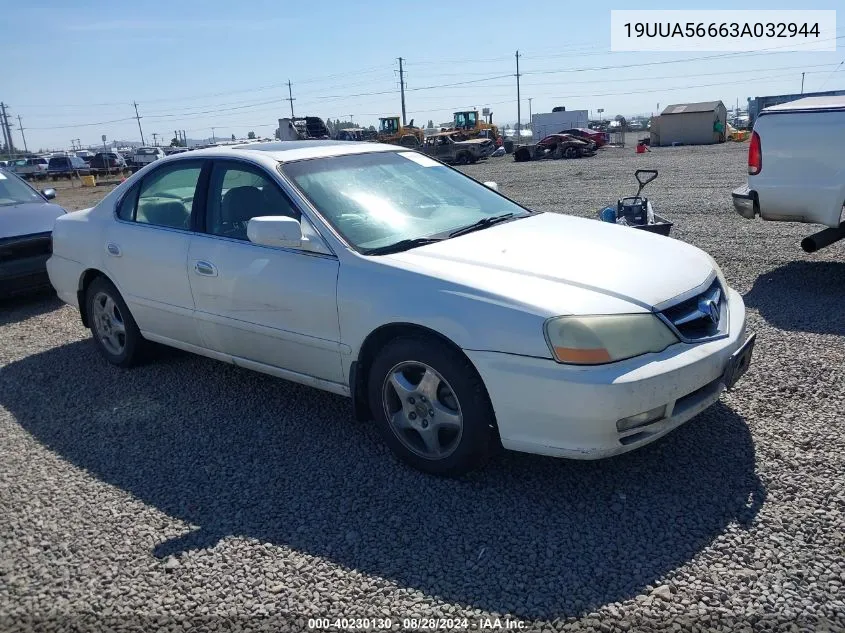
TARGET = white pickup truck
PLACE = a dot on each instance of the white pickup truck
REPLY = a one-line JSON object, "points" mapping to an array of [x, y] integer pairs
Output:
{"points": [[796, 167]]}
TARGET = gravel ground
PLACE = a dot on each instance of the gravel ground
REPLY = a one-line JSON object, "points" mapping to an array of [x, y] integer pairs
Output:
{"points": [[193, 494]]}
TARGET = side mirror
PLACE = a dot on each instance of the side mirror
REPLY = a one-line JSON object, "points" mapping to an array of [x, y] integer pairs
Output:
{"points": [[48, 193], [492, 185], [275, 230]]}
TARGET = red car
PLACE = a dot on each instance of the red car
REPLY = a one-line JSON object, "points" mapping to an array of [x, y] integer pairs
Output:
{"points": [[599, 138]]}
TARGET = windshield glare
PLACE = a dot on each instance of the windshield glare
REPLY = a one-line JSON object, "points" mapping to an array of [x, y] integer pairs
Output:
{"points": [[15, 191], [378, 199]]}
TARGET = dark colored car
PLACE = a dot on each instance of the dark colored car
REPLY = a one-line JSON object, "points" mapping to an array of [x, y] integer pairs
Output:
{"points": [[67, 167], [555, 146], [108, 160], [599, 138], [26, 227]]}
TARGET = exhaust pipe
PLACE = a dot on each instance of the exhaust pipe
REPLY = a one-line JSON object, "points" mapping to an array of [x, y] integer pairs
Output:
{"points": [[819, 240]]}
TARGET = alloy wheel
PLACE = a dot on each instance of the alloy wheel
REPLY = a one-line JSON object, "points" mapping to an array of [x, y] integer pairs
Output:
{"points": [[108, 323], [422, 410]]}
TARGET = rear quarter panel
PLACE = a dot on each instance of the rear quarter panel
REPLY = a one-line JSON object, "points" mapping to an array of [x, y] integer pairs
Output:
{"points": [[803, 174], [79, 245]]}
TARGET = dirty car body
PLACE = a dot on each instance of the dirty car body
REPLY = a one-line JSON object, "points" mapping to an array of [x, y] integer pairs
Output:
{"points": [[455, 149], [453, 317], [556, 146]]}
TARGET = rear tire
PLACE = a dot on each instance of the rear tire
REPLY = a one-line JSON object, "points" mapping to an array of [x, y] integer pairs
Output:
{"points": [[114, 329], [431, 406]]}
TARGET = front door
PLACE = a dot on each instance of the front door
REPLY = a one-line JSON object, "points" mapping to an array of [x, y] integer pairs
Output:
{"points": [[146, 250], [269, 305]]}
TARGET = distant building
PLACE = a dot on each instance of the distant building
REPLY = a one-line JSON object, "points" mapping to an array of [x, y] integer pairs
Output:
{"points": [[756, 104], [690, 124]]}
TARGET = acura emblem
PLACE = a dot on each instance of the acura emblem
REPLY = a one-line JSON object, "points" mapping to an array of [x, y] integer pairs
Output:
{"points": [[709, 308]]}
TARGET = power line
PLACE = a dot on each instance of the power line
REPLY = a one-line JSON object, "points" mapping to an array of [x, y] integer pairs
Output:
{"points": [[667, 61], [65, 127], [824, 83]]}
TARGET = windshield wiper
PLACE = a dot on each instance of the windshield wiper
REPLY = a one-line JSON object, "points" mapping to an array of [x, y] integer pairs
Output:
{"points": [[402, 245], [483, 223]]}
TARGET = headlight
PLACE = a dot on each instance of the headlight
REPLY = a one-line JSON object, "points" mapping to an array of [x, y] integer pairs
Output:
{"points": [[719, 275], [594, 340]]}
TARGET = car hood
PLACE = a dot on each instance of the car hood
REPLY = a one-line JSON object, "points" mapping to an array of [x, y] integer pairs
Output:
{"points": [[28, 218], [565, 264]]}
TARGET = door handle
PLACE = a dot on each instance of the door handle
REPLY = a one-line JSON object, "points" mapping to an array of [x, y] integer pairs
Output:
{"points": [[113, 249], [204, 268]]}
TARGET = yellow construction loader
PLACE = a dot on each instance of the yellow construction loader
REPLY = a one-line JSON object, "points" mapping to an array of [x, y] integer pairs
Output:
{"points": [[390, 130], [474, 126]]}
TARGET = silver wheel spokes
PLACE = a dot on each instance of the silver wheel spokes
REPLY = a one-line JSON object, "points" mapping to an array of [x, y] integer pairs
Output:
{"points": [[108, 323], [422, 409]]}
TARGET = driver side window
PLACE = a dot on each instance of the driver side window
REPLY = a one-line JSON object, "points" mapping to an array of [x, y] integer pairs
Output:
{"points": [[237, 193]]}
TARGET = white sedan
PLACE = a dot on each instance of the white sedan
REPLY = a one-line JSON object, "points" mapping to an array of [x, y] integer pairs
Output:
{"points": [[455, 318]]}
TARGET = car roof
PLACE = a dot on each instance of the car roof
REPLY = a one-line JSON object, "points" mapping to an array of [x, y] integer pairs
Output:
{"points": [[288, 151], [809, 103]]}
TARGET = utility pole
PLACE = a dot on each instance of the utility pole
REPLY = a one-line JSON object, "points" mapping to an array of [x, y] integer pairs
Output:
{"points": [[290, 98], [5, 138], [137, 116], [7, 131], [802, 83], [518, 110], [155, 141], [529, 112], [402, 91], [213, 138], [23, 136]]}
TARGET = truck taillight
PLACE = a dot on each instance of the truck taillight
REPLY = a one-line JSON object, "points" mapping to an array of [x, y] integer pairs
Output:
{"points": [[755, 155]]}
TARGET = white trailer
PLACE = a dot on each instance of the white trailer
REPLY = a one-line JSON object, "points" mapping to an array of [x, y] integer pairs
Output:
{"points": [[553, 122]]}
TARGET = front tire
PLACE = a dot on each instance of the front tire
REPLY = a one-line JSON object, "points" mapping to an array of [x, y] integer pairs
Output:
{"points": [[431, 406], [114, 329]]}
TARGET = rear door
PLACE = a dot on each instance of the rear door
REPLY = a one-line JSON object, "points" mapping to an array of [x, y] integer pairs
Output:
{"points": [[261, 304], [146, 249]]}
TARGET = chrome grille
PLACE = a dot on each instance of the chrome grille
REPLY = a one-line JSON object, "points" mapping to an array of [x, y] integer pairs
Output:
{"points": [[700, 317]]}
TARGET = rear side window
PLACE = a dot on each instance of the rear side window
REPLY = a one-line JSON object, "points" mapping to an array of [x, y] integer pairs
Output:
{"points": [[126, 210], [166, 196]]}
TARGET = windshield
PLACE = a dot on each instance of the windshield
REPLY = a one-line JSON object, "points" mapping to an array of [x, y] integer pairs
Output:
{"points": [[375, 200], [15, 191]]}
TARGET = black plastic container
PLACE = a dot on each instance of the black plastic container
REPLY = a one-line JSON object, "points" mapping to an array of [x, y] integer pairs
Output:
{"points": [[661, 226]]}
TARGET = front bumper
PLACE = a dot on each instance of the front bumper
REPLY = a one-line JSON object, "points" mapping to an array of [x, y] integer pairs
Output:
{"points": [[745, 202], [24, 274], [568, 411]]}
